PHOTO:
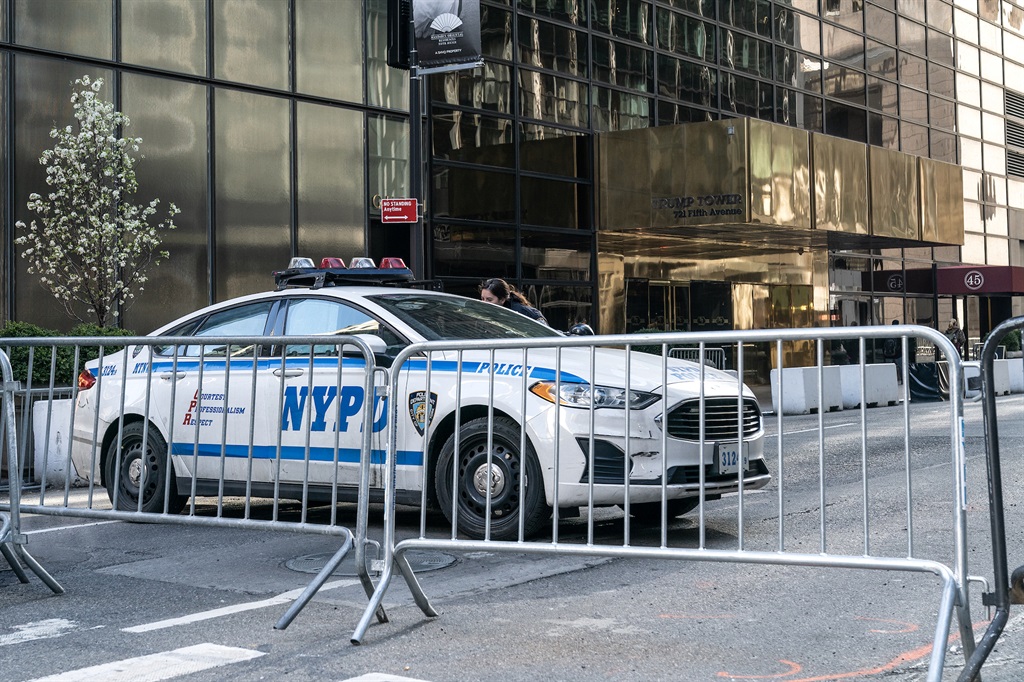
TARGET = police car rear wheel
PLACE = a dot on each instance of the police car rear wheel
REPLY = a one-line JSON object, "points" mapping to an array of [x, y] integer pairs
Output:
{"points": [[143, 467], [503, 478]]}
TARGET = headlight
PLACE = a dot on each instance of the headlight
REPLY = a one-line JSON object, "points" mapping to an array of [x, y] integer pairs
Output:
{"points": [[579, 395]]}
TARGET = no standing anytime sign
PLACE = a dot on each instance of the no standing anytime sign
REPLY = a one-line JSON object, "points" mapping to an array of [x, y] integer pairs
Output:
{"points": [[398, 210]]}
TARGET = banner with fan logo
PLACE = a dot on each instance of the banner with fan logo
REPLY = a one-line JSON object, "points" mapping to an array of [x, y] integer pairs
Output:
{"points": [[447, 34]]}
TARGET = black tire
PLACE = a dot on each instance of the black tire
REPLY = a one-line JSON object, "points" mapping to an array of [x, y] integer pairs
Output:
{"points": [[650, 512], [505, 466], [147, 465]]}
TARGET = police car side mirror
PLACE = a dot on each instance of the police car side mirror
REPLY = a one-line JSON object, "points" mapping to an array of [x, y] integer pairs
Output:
{"points": [[377, 345]]}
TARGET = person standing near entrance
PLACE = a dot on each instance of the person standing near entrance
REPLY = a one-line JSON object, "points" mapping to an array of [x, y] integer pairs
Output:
{"points": [[500, 292], [892, 351], [955, 334]]}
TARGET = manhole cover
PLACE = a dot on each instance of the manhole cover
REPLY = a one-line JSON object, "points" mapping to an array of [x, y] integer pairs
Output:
{"points": [[421, 561]]}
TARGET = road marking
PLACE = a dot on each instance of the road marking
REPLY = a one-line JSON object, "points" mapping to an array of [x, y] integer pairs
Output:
{"points": [[381, 677], [161, 666], [830, 426], [70, 527], [283, 598], [41, 629]]}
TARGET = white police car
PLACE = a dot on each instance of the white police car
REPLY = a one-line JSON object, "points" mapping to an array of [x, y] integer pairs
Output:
{"points": [[285, 421]]}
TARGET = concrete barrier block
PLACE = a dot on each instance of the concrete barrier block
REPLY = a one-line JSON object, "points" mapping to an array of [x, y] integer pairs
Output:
{"points": [[881, 385], [1015, 372], [800, 390], [1001, 376]]}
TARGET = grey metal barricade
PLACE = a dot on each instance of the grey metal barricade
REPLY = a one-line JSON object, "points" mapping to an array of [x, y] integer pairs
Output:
{"points": [[156, 424], [711, 356], [478, 402]]}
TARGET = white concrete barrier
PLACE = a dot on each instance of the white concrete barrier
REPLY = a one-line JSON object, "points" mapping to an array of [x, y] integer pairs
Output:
{"points": [[881, 385], [1015, 370], [51, 454], [800, 390], [1000, 378]]}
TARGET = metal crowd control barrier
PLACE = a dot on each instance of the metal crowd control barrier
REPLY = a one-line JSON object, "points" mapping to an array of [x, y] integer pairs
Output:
{"points": [[12, 541], [1004, 593], [711, 356], [492, 381], [173, 420]]}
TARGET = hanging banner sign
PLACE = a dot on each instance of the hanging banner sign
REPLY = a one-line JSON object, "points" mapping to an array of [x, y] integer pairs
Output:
{"points": [[447, 34]]}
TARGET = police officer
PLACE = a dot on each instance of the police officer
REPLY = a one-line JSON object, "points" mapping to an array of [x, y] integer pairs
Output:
{"points": [[500, 292]]}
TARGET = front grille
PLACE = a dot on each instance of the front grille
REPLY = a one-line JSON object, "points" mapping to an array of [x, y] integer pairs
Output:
{"points": [[609, 462], [720, 419]]}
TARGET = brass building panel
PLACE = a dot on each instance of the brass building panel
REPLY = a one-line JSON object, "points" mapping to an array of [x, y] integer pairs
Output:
{"points": [[624, 177], [942, 206], [840, 184], [895, 209], [779, 169]]}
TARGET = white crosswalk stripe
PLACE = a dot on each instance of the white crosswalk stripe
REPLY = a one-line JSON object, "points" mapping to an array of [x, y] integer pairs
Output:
{"points": [[161, 666]]}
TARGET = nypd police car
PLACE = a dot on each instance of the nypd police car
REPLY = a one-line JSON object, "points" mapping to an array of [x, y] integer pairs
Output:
{"points": [[167, 421]]}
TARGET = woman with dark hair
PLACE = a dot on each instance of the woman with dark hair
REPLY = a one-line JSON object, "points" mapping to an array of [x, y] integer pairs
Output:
{"points": [[500, 292]]}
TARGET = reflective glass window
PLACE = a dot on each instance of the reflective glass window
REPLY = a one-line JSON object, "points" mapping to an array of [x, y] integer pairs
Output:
{"points": [[617, 110], [992, 98], [556, 255], [670, 113], [571, 11], [622, 64], [911, 8], [329, 49], [810, 6], [488, 87], [244, 320], [848, 13], [166, 34], [747, 97], [994, 159], [913, 139], [330, 197], [883, 131], [798, 109], [81, 27], [552, 99], [940, 15], [941, 113], [473, 194], [687, 81], [797, 30], [968, 90], [250, 42], [387, 162], [565, 305], [385, 87], [970, 153], [883, 96], [170, 117], [745, 53], [554, 151], [845, 121], [989, 35], [846, 84], [472, 138], [912, 36], [965, 26], [881, 25], [997, 250], [554, 203], [843, 46], [754, 16], [253, 198], [941, 81], [881, 60], [495, 32], [686, 35], [968, 121], [991, 67], [940, 47], [913, 105], [968, 58], [474, 252], [553, 47], [913, 71], [42, 92], [626, 19], [3, 21], [942, 146]]}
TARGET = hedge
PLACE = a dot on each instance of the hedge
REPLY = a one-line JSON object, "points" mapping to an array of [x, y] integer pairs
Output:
{"points": [[42, 356]]}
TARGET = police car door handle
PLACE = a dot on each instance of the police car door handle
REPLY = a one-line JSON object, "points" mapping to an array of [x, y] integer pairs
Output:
{"points": [[172, 375], [288, 372]]}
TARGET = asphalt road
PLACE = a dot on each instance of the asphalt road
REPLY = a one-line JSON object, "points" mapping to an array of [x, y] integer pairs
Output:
{"points": [[190, 603]]}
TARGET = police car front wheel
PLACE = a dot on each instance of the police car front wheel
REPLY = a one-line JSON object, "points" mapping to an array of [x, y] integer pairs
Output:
{"points": [[142, 468], [503, 475]]}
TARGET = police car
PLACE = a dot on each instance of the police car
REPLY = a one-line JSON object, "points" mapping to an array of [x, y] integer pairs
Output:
{"points": [[169, 421]]}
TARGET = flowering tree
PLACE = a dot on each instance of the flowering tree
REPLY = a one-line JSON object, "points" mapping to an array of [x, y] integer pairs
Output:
{"points": [[91, 244]]}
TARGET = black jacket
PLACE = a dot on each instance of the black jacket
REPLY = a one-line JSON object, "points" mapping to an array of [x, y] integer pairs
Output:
{"points": [[529, 311]]}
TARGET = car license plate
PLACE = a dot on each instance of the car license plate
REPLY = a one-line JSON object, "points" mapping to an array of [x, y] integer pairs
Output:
{"points": [[727, 457]]}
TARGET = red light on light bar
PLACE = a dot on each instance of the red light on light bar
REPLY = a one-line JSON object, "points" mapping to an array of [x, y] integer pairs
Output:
{"points": [[392, 263], [331, 263]]}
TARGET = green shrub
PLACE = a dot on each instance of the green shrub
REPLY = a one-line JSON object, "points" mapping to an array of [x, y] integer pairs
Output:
{"points": [[42, 356]]}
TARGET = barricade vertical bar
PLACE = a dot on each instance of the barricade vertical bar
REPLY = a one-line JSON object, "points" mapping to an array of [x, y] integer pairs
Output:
{"points": [[821, 443], [12, 542], [778, 428], [864, 452]]}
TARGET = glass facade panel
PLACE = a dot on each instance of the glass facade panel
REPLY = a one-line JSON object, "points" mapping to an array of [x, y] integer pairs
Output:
{"points": [[617, 110], [687, 81], [913, 71], [250, 42], [965, 26], [797, 30], [496, 32], [82, 27], [385, 87], [571, 11], [798, 109], [881, 25], [845, 121], [491, 92], [750, 15], [941, 113], [941, 81], [881, 60], [473, 194], [686, 35], [745, 53], [991, 67], [848, 13], [553, 47], [883, 131], [914, 105], [630, 20], [913, 139], [472, 138], [843, 46], [940, 15], [472, 252], [912, 36], [969, 121], [387, 163], [624, 65], [329, 49], [747, 97], [968, 58], [253, 209], [553, 203], [671, 114], [845, 84], [554, 151], [329, 195], [42, 91], [883, 96], [564, 305], [552, 99], [165, 34], [940, 47], [170, 117]]}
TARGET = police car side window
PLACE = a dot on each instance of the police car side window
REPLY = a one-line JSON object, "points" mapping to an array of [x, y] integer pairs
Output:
{"points": [[245, 320], [312, 316]]}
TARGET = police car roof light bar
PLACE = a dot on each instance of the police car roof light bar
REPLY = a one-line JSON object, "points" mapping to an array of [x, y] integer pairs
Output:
{"points": [[332, 272]]}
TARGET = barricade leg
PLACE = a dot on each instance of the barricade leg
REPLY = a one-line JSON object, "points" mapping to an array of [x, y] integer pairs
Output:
{"points": [[13, 551], [315, 584]]}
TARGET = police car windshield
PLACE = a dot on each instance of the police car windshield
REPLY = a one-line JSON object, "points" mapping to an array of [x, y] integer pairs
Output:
{"points": [[442, 318]]}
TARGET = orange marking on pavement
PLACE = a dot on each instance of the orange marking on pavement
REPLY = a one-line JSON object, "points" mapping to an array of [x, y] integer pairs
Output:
{"points": [[907, 627], [794, 668]]}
